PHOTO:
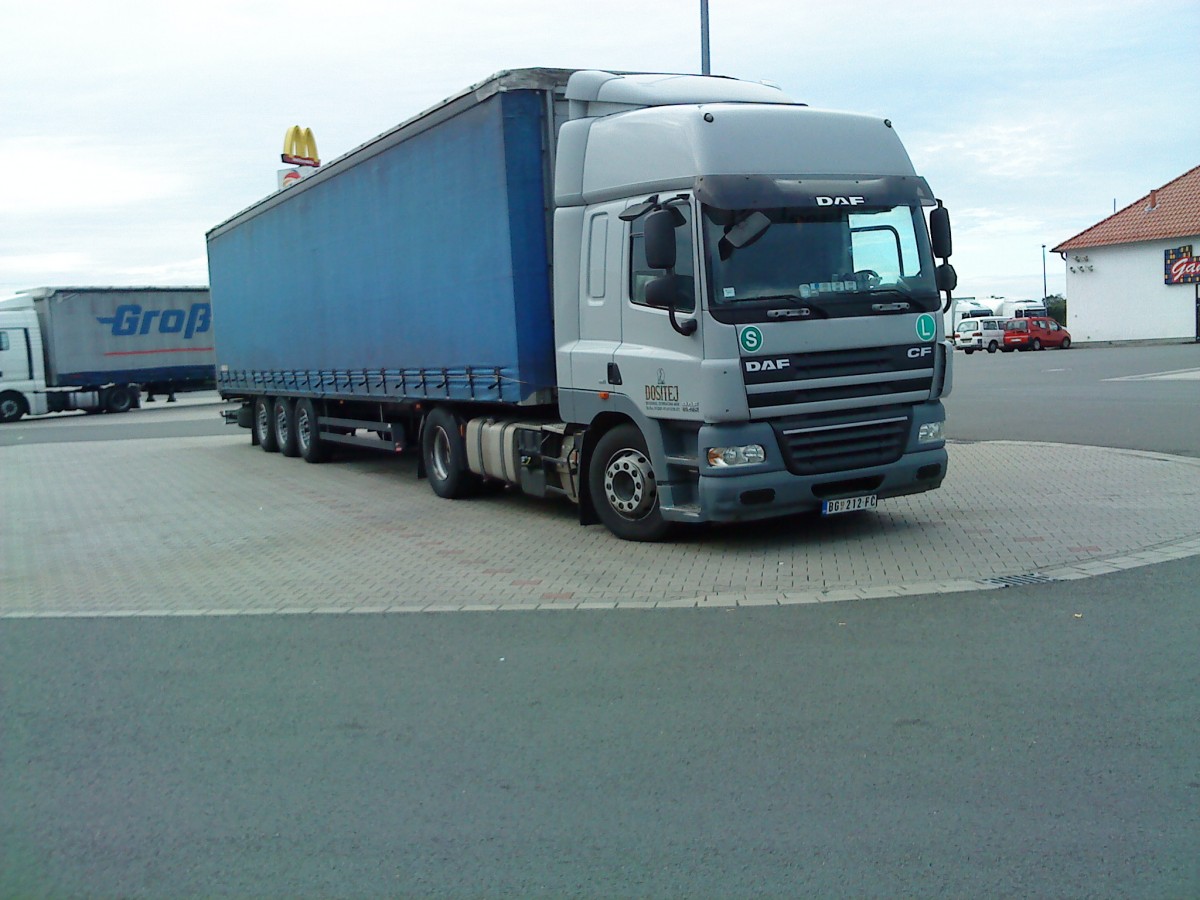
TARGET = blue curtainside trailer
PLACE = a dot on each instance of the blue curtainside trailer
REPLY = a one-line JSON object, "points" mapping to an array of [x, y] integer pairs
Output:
{"points": [[418, 267]]}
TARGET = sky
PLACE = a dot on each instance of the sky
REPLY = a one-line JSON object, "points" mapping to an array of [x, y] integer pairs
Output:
{"points": [[130, 128]]}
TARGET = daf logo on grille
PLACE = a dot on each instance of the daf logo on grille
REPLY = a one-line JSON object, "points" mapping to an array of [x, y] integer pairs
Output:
{"points": [[767, 365]]}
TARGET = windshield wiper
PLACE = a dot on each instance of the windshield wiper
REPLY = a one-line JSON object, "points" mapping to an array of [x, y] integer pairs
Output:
{"points": [[803, 308], [902, 304]]}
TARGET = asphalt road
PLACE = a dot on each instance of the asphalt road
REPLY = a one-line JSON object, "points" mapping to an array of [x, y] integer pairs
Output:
{"points": [[1037, 740], [1133, 397]]}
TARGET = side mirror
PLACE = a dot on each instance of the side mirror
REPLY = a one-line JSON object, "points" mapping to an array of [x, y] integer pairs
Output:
{"points": [[662, 292], [947, 278], [939, 231], [660, 240]]}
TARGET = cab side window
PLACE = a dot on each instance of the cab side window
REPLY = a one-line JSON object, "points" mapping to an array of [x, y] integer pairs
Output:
{"points": [[3, 340], [640, 273]]}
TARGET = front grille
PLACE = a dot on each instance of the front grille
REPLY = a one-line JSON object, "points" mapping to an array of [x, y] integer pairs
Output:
{"points": [[881, 389], [835, 442], [860, 373]]}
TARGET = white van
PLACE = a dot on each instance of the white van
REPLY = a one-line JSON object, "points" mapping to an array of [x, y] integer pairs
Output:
{"points": [[985, 333]]}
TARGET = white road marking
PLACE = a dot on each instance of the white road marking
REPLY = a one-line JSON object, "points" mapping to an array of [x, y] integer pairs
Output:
{"points": [[1176, 375]]}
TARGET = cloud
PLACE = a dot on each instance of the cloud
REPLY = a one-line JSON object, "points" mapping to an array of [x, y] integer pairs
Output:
{"points": [[58, 175]]}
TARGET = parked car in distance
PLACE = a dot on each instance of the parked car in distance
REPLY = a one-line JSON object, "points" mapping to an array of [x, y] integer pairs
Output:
{"points": [[1034, 333], [984, 333]]}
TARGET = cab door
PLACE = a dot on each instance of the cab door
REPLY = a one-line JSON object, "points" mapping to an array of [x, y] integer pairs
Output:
{"points": [[17, 372], [15, 362], [659, 366]]}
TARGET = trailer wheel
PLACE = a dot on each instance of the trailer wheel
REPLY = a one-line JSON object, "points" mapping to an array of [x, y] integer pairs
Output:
{"points": [[308, 437], [264, 431], [623, 486], [283, 419], [120, 399], [445, 455], [12, 406]]}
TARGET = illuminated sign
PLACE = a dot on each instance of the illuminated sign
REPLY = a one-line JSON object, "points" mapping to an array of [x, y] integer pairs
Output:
{"points": [[1180, 266], [300, 147]]}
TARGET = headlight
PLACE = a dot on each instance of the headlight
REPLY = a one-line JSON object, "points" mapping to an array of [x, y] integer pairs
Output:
{"points": [[724, 457], [931, 433]]}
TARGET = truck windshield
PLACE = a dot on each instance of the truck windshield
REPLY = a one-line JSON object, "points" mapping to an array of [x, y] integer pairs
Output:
{"points": [[832, 261]]}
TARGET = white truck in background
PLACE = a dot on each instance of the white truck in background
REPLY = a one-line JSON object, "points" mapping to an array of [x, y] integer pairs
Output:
{"points": [[96, 348]]}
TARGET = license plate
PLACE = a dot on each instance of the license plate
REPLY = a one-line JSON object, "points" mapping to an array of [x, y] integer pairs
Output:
{"points": [[849, 504]]}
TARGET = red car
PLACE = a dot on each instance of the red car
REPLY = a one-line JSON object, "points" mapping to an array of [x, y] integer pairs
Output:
{"points": [[1034, 333]]}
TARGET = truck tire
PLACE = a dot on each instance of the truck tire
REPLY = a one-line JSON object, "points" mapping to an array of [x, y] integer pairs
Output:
{"points": [[445, 455], [264, 430], [308, 437], [119, 399], [283, 422], [12, 406], [623, 486]]}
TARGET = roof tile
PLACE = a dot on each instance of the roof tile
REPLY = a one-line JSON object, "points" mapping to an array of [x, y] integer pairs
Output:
{"points": [[1175, 213]]}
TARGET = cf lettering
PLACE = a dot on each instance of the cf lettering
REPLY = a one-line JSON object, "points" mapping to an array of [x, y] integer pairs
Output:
{"points": [[918, 352]]}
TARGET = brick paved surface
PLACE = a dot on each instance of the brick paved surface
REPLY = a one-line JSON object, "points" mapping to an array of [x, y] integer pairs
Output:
{"points": [[211, 525]]}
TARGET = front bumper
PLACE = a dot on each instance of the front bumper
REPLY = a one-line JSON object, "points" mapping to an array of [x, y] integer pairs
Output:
{"points": [[766, 495], [769, 490]]}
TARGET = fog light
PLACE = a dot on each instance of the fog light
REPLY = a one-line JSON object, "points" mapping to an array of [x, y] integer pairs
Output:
{"points": [[725, 457], [931, 433]]}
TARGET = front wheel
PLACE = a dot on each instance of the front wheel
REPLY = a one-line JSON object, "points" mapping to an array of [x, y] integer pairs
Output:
{"points": [[12, 407], [623, 486], [1066, 344]]}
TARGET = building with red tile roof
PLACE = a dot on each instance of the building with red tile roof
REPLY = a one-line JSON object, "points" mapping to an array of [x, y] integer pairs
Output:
{"points": [[1136, 274], [1171, 211]]}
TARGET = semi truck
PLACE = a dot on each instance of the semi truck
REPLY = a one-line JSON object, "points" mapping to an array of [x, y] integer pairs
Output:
{"points": [[667, 298], [96, 348]]}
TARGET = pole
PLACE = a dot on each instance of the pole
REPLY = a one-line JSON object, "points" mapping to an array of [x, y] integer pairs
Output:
{"points": [[1044, 293], [705, 68]]}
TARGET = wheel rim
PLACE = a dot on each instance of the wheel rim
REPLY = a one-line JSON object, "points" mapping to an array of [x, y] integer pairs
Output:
{"points": [[629, 485], [281, 426], [302, 429], [263, 418], [440, 458], [8, 409]]}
